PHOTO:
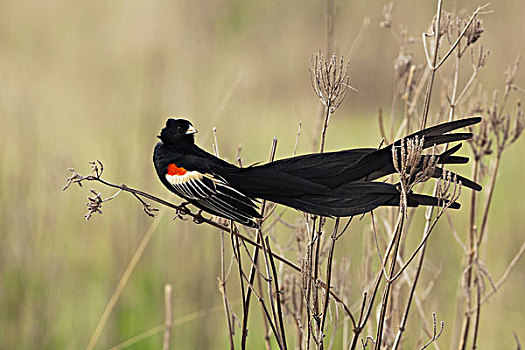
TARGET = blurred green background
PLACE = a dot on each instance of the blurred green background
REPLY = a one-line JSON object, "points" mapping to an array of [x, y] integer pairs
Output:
{"points": [[85, 80]]}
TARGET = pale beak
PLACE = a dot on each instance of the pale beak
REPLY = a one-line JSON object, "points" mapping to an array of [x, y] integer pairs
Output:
{"points": [[191, 130]]}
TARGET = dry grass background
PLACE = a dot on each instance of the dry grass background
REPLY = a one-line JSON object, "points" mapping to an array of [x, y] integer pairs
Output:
{"points": [[86, 80]]}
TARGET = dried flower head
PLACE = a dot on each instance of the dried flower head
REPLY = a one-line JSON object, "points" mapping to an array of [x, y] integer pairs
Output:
{"points": [[481, 141], [519, 123], [444, 25], [504, 131], [329, 79], [94, 204], [412, 166], [448, 189], [474, 31]]}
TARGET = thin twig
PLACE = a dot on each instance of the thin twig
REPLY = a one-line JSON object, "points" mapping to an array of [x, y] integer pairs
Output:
{"points": [[260, 243], [222, 290], [277, 295]]}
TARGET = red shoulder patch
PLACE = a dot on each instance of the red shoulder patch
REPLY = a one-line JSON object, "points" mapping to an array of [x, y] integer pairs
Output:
{"points": [[175, 170]]}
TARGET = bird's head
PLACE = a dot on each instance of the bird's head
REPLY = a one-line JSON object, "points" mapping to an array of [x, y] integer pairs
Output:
{"points": [[177, 131]]}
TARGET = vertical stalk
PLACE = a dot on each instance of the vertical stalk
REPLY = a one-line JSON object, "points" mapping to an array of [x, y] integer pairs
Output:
{"points": [[433, 68], [470, 261], [253, 269], [384, 304], [222, 288]]}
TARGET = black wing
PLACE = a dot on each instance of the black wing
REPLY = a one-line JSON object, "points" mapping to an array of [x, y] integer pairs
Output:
{"points": [[215, 195]]}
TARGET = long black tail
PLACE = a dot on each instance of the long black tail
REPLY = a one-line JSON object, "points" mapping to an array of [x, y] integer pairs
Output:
{"points": [[334, 169], [341, 183], [354, 199]]}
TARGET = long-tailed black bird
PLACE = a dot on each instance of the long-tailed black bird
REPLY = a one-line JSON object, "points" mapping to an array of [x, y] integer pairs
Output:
{"points": [[334, 184]]}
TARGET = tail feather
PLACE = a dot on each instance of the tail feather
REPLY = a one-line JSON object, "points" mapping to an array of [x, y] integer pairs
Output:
{"points": [[438, 172], [446, 127], [357, 198], [447, 157]]}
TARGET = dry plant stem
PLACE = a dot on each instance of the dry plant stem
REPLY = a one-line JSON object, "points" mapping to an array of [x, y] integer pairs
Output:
{"points": [[318, 238], [364, 315], [270, 295], [474, 281], [474, 243], [325, 127], [222, 289], [122, 284], [505, 275], [428, 228], [277, 294], [388, 283], [472, 246], [309, 279], [404, 319], [265, 320], [432, 66], [436, 334], [374, 230], [265, 310], [478, 313], [429, 211], [168, 317], [260, 242], [490, 191], [412, 297], [237, 254], [427, 231], [79, 178], [222, 280], [334, 238], [318, 235]]}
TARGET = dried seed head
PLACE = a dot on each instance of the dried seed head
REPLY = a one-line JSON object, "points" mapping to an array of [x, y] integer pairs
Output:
{"points": [[329, 79], [504, 131], [481, 141], [412, 166], [94, 204], [480, 59], [519, 123], [511, 72], [444, 25], [474, 31], [462, 25], [448, 189]]}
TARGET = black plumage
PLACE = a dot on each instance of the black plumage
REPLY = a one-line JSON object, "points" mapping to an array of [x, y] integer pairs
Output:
{"points": [[332, 184]]}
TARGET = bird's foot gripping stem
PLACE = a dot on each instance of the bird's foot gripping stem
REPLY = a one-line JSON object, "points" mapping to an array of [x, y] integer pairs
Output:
{"points": [[198, 218], [181, 211]]}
